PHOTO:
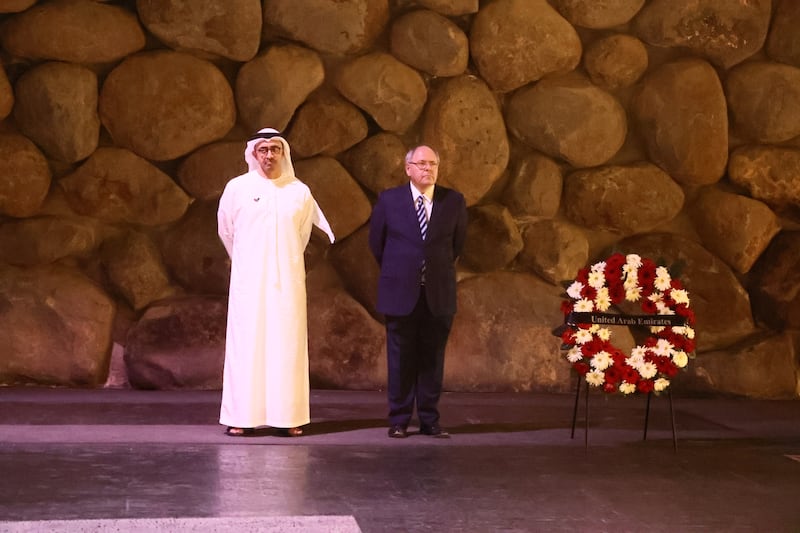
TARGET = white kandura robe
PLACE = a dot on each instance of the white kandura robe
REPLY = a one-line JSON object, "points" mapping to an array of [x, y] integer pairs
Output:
{"points": [[265, 225]]}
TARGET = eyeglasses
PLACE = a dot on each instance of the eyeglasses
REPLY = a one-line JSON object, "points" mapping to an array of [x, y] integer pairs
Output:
{"points": [[424, 164], [264, 150]]}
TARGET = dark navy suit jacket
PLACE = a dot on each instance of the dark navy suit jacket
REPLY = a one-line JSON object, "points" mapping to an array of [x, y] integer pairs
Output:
{"points": [[396, 242]]}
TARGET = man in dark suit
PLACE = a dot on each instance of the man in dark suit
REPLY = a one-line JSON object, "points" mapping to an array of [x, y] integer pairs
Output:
{"points": [[416, 234]]}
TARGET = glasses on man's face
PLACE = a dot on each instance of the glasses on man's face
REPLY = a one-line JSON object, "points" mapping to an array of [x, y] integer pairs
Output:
{"points": [[264, 150], [422, 165]]}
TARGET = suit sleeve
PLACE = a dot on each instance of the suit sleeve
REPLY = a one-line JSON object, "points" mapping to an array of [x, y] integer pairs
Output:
{"points": [[377, 229]]}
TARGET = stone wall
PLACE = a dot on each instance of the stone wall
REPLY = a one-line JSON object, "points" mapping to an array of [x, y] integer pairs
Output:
{"points": [[574, 128]]}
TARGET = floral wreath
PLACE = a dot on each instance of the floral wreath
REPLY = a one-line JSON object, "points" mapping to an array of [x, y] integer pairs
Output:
{"points": [[587, 343]]}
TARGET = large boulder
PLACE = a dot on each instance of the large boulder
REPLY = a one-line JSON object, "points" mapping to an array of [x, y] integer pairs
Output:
{"points": [[75, 32], [502, 338], [774, 283], [116, 185], [464, 124], [178, 343], [26, 176], [553, 249], [56, 327], [43, 240], [205, 26], [598, 15], [493, 239], [430, 42], [724, 32], [534, 186], [325, 124], [163, 104], [682, 115], [377, 162], [271, 87], [783, 43], [515, 42], [206, 171], [568, 118], [616, 61], [768, 173]]}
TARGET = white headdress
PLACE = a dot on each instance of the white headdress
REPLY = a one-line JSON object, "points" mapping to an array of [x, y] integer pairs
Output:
{"points": [[287, 169]]}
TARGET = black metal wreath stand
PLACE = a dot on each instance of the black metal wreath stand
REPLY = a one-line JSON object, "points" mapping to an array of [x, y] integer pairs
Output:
{"points": [[646, 416]]}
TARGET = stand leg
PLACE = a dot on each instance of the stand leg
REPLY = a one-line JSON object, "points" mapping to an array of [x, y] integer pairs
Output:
{"points": [[575, 409], [672, 419], [647, 415], [586, 422]]}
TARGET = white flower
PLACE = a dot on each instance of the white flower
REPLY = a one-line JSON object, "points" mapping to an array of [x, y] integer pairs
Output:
{"points": [[584, 306], [689, 332], [604, 333], [601, 360], [627, 388], [633, 260], [680, 296], [657, 329], [663, 281], [633, 294], [660, 384], [680, 358], [603, 301], [574, 354], [648, 370], [631, 278], [663, 309], [594, 328], [595, 378], [582, 336], [574, 290], [597, 279], [599, 267], [663, 348]]}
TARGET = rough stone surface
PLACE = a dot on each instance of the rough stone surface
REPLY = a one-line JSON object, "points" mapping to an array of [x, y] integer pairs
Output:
{"points": [[326, 124], [724, 32], [77, 32], [515, 42], [46, 239], [56, 106], [734, 227], [206, 171], [116, 185], [333, 27], [26, 176], [493, 239], [193, 252], [682, 116], [15, 6], [391, 92], [720, 302], [783, 43], [135, 269], [768, 173], [775, 283], [760, 368], [377, 162], [179, 343], [357, 268], [554, 250], [502, 336], [451, 7], [534, 187], [163, 105], [616, 61], [331, 185], [431, 43], [271, 87], [568, 118], [56, 327], [624, 199], [764, 100], [598, 14], [463, 122], [342, 356], [231, 30], [6, 94]]}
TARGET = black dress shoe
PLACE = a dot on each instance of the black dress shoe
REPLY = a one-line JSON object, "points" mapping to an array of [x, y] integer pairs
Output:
{"points": [[435, 431], [397, 432]]}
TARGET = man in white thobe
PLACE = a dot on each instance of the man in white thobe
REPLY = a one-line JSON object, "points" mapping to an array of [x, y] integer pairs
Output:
{"points": [[264, 220]]}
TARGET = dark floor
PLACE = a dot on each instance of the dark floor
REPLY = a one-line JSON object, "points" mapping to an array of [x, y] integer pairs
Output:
{"points": [[511, 464]]}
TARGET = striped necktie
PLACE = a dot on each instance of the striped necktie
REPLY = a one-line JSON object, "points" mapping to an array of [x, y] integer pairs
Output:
{"points": [[422, 217]]}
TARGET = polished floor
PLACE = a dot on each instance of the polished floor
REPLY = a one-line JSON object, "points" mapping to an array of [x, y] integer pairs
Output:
{"points": [[119, 460]]}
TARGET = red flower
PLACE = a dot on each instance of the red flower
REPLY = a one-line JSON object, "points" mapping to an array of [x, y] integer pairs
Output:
{"points": [[648, 306], [588, 292], [646, 385], [566, 307], [581, 367]]}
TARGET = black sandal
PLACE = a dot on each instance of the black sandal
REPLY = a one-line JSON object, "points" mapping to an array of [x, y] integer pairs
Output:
{"points": [[290, 432], [240, 432]]}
